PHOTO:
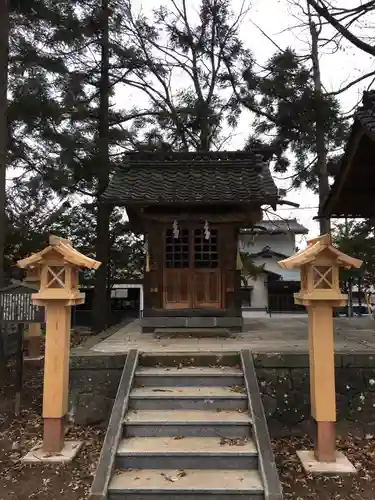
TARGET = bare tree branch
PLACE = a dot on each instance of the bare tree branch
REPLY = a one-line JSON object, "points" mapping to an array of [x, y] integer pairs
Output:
{"points": [[322, 10]]}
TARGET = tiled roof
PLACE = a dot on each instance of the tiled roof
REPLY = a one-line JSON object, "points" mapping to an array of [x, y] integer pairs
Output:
{"points": [[277, 226], [236, 177], [365, 114]]}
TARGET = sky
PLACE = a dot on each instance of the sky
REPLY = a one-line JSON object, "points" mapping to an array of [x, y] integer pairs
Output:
{"points": [[276, 18]]}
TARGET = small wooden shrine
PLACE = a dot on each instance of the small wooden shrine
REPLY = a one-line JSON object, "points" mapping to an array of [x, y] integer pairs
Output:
{"points": [[352, 193], [190, 207], [320, 292], [57, 266]]}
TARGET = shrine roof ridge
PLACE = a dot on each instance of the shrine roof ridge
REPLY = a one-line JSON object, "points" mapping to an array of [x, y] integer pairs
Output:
{"points": [[197, 158], [219, 177]]}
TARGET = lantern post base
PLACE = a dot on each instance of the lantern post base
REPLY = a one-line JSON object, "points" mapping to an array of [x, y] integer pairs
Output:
{"points": [[53, 435], [38, 456], [340, 467], [325, 444]]}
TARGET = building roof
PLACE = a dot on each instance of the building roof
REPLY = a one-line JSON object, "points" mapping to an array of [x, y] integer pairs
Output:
{"points": [[267, 253], [215, 177], [277, 226], [353, 190]]}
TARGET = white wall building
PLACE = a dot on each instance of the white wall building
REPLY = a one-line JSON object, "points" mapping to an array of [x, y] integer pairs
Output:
{"points": [[269, 242]]}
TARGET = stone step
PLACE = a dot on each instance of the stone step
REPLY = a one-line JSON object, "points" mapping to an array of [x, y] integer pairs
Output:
{"points": [[201, 358], [188, 398], [186, 453], [193, 484], [198, 333], [225, 376], [205, 423]]}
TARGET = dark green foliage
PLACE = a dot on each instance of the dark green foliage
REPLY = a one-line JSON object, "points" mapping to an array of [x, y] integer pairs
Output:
{"points": [[34, 211], [354, 240], [285, 102], [55, 115]]}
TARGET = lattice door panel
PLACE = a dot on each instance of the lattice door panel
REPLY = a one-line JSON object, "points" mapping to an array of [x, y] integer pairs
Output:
{"points": [[177, 254], [206, 250]]}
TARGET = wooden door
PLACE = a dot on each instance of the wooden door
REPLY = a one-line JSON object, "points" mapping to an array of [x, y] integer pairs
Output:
{"points": [[206, 279], [192, 274], [206, 288], [177, 288], [177, 270]]}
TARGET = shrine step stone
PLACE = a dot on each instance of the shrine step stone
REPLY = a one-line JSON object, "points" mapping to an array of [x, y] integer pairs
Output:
{"points": [[198, 333], [189, 376], [188, 433]]}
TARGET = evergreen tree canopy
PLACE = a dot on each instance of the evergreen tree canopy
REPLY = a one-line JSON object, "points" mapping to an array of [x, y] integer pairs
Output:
{"points": [[285, 103]]}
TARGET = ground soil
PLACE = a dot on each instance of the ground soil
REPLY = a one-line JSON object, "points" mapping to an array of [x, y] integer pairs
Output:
{"points": [[73, 481], [19, 435], [358, 446]]}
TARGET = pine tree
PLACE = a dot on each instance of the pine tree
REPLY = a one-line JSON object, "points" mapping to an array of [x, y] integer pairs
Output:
{"points": [[4, 48], [63, 125], [288, 107]]}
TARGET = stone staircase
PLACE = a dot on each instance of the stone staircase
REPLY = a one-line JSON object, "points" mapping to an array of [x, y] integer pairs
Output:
{"points": [[187, 434]]}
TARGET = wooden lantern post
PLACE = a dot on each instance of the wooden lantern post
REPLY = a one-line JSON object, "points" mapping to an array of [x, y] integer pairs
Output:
{"points": [[58, 266], [34, 335], [320, 292]]}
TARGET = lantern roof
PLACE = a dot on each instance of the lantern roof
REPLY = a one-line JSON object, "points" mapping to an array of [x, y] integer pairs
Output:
{"points": [[315, 247], [65, 249]]}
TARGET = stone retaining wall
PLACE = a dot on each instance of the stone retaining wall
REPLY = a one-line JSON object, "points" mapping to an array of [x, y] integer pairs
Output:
{"points": [[284, 385], [283, 381], [93, 382]]}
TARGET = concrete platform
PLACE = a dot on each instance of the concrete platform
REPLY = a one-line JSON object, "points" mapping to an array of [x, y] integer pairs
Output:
{"points": [[342, 466], [37, 456], [280, 333]]}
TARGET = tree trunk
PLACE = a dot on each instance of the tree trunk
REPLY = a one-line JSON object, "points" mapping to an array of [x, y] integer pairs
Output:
{"points": [[325, 226], [4, 48], [360, 292], [350, 279], [100, 300]]}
